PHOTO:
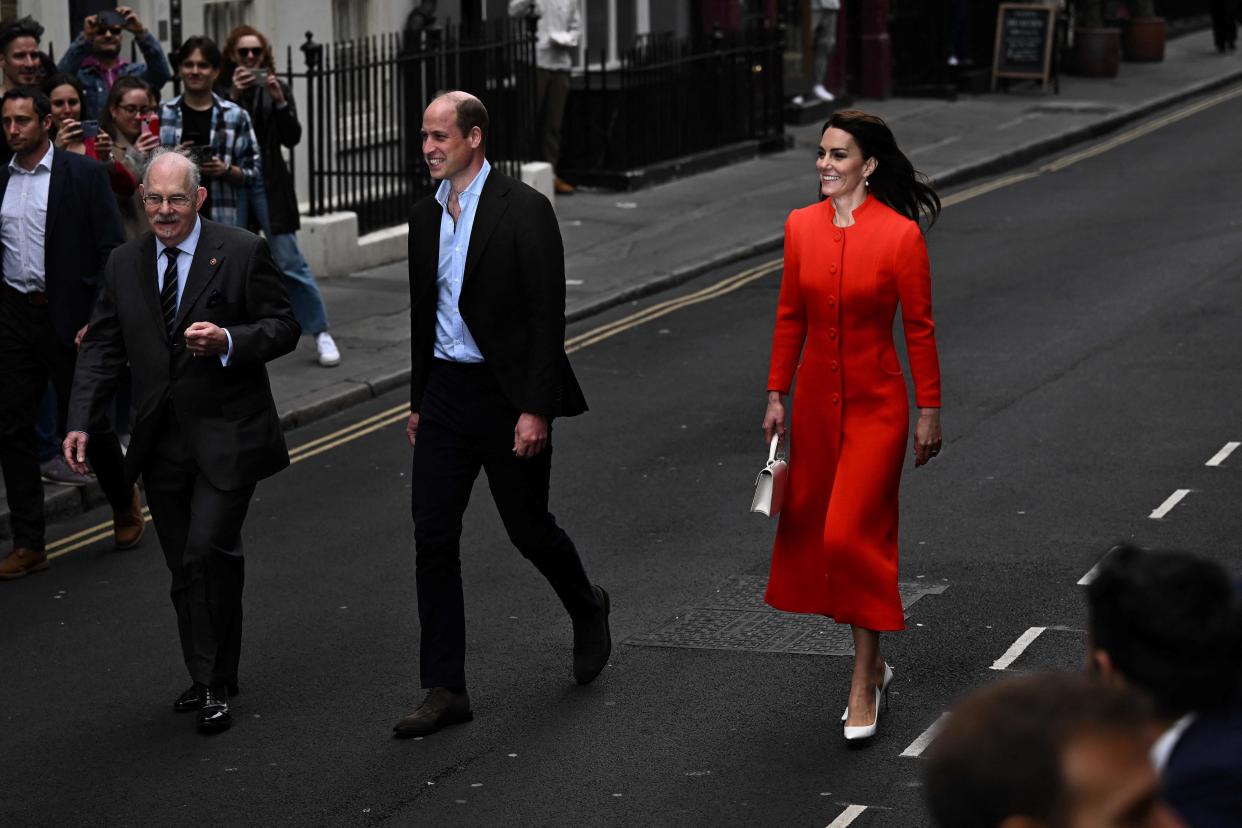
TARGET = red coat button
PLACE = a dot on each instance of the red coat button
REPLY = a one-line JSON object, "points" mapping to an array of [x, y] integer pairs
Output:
{"points": [[832, 333], [833, 365], [832, 268], [836, 236], [836, 399], [832, 300]]}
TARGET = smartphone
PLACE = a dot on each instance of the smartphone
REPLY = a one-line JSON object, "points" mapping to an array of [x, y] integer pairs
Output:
{"points": [[201, 154], [153, 125], [260, 77], [90, 129]]}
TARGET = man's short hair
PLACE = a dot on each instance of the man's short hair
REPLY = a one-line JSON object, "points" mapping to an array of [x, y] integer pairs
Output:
{"points": [[1171, 625], [471, 113], [23, 27], [204, 44], [1000, 753], [160, 152], [42, 105]]}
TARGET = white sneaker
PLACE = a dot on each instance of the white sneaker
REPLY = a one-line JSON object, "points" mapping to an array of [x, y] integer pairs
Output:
{"points": [[329, 356], [822, 93]]}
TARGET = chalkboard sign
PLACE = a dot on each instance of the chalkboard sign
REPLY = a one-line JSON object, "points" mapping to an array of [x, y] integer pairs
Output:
{"points": [[1024, 36]]}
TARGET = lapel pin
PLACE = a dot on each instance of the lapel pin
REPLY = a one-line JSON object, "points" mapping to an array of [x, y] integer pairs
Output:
{"points": [[212, 262]]}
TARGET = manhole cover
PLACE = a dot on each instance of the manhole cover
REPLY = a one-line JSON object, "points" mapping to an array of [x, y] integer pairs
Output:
{"points": [[734, 617]]}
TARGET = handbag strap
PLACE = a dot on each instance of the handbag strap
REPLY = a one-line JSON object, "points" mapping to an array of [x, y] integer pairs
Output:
{"points": [[776, 439]]}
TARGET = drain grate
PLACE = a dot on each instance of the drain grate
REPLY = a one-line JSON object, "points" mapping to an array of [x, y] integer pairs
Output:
{"points": [[734, 617]]}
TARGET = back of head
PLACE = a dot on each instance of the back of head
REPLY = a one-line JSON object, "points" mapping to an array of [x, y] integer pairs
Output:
{"points": [[1170, 624], [1000, 753]]}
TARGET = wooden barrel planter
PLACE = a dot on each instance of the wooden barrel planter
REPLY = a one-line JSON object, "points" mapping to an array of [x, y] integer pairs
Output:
{"points": [[1144, 39], [1097, 52]]}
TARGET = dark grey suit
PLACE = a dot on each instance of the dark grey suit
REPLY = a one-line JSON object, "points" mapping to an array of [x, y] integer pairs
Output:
{"points": [[204, 434]]}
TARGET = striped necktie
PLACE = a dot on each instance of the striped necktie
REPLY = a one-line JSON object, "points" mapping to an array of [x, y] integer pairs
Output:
{"points": [[168, 293]]}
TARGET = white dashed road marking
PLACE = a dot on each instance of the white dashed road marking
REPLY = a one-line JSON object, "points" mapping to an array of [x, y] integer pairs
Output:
{"points": [[928, 736], [1166, 507], [1017, 648], [1223, 455], [847, 816]]}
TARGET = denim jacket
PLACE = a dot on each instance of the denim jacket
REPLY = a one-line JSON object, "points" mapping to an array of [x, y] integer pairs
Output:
{"points": [[156, 71]]}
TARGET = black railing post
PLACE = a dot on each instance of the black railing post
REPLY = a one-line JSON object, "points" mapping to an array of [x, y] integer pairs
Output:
{"points": [[312, 54]]}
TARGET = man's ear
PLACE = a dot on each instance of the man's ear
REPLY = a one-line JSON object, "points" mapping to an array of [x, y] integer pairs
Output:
{"points": [[1100, 664], [476, 138]]}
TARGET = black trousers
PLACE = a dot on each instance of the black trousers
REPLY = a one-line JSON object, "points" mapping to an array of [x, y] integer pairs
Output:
{"points": [[199, 527], [1225, 23], [466, 424], [30, 355]]}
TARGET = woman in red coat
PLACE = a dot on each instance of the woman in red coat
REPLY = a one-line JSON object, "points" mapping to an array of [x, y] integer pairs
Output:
{"points": [[850, 260]]}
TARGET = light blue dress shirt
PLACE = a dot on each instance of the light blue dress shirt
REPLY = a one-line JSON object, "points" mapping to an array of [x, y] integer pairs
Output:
{"points": [[23, 223], [184, 259], [453, 339]]}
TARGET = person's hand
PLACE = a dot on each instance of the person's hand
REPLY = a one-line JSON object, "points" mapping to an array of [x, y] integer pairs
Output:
{"points": [[530, 435], [90, 27], [215, 168], [77, 338], [206, 339], [774, 417], [70, 132], [927, 440], [243, 78], [103, 146], [74, 449], [147, 143], [273, 88], [132, 23], [411, 427]]}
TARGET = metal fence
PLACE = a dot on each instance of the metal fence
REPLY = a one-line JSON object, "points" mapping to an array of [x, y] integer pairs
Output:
{"points": [[669, 98], [363, 108]]}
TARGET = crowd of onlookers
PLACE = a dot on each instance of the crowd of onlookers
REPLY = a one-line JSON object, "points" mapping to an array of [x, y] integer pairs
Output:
{"points": [[234, 113], [1149, 735], [83, 129]]}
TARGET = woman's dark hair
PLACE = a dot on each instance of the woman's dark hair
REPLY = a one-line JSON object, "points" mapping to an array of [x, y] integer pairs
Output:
{"points": [[1171, 624], [122, 85], [204, 44], [895, 181], [61, 79]]}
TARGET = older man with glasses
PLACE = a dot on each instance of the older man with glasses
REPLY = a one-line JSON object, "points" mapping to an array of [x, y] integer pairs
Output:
{"points": [[94, 57]]}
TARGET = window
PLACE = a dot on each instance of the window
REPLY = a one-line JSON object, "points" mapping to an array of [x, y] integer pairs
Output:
{"points": [[220, 18], [351, 19]]}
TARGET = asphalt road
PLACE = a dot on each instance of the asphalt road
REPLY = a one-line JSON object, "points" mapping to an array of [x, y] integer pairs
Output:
{"points": [[1088, 325]]}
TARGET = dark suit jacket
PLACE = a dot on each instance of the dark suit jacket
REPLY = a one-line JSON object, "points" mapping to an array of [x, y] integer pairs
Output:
{"points": [[226, 414], [83, 227], [512, 297], [1203, 777]]}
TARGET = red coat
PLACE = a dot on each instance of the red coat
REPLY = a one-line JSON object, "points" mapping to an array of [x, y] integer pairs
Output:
{"points": [[836, 544]]}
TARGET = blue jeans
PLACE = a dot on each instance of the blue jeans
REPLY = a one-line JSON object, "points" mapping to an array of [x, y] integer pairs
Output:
{"points": [[304, 296]]}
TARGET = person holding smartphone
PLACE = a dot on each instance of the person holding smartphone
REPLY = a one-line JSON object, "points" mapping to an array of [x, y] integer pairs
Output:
{"points": [[218, 131], [94, 57], [270, 202]]}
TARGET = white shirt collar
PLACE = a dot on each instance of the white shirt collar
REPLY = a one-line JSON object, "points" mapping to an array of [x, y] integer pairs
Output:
{"points": [[474, 188], [187, 246], [45, 162], [1162, 748]]}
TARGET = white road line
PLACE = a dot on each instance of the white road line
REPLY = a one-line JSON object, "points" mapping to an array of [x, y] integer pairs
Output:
{"points": [[1016, 648], [928, 736], [1166, 507], [1086, 580], [1222, 455], [847, 816]]}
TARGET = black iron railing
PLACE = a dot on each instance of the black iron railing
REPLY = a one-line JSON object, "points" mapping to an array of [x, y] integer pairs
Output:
{"points": [[669, 98], [362, 103]]}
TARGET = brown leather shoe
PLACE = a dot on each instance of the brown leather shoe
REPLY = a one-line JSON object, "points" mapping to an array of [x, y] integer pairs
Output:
{"points": [[22, 561], [441, 708], [561, 187], [128, 526]]}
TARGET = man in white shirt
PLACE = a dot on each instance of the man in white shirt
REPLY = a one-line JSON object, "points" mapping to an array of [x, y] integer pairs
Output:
{"points": [[560, 30]]}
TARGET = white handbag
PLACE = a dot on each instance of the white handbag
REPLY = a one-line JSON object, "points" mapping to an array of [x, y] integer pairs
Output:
{"points": [[770, 484]]}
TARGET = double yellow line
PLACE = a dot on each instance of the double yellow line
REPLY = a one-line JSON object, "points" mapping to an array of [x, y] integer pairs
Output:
{"points": [[400, 413]]}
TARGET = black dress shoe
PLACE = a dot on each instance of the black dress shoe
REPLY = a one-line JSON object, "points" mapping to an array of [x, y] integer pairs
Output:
{"points": [[192, 698], [214, 715], [441, 708], [592, 641]]}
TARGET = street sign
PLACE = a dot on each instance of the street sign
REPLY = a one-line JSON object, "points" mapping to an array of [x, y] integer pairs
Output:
{"points": [[1024, 39]]}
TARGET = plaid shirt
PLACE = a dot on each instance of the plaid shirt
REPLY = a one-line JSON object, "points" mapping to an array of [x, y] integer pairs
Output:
{"points": [[232, 141]]}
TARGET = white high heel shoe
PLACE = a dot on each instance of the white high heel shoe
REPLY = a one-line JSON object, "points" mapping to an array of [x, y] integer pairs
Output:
{"points": [[854, 734], [888, 678]]}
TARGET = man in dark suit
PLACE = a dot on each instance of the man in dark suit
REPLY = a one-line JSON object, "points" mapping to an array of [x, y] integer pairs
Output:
{"points": [[58, 223], [1171, 625], [197, 308], [489, 373]]}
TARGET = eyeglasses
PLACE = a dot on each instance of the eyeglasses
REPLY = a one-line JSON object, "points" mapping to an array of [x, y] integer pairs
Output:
{"points": [[175, 201], [250, 52], [115, 31], [130, 109]]}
